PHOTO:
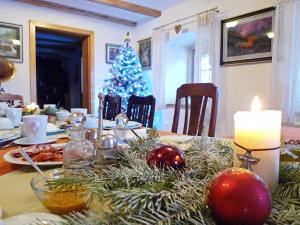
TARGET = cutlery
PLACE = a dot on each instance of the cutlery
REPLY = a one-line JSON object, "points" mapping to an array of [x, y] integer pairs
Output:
{"points": [[138, 136], [24, 154], [12, 143]]}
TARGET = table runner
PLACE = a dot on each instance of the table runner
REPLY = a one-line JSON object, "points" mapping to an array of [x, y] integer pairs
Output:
{"points": [[16, 196]]}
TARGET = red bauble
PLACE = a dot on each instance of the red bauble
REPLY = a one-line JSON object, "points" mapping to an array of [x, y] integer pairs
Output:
{"points": [[237, 196], [166, 156]]}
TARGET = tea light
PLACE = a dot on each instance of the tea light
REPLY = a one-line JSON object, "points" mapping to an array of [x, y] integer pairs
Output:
{"points": [[259, 130]]}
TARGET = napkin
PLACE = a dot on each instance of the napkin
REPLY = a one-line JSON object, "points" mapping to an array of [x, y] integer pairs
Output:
{"points": [[52, 128]]}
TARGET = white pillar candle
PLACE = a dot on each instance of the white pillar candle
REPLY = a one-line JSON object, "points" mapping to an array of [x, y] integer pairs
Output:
{"points": [[259, 130]]}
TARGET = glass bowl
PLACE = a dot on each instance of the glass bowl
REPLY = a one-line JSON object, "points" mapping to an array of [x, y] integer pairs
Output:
{"points": [[60, 200]]}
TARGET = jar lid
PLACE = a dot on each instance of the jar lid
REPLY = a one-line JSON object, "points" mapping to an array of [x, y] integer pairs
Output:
{"points": [[107, 141]]}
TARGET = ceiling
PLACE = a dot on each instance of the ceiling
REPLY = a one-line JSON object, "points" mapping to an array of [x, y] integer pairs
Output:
{"points": [[157, 4], [106, 10]]}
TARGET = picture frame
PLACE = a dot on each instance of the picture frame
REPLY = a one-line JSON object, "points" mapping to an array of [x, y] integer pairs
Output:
{"points": [[248, 38], [145, 56], [11, 41], [112, 51]]}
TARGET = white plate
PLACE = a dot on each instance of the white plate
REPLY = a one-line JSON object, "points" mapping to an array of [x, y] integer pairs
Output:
{"points": [[24, 141], [9, 158], [33, 218], [108, 124], [182, 141], [8, 135]]}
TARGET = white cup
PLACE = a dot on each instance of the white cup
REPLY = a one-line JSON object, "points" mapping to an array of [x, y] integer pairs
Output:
{"points": [[35, 127], [91, 122], [3, 107], [62, 115], [79, 110], [49, 105], [15, 115]]}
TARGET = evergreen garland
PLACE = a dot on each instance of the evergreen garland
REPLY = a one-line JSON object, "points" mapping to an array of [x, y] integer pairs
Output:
{"points": [[134, 193]]}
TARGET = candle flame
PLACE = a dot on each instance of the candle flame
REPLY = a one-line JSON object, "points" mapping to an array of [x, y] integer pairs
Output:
{"points": [[256, 105]]}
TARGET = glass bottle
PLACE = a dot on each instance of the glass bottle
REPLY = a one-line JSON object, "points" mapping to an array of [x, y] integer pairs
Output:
{"points": [[79, 153]]}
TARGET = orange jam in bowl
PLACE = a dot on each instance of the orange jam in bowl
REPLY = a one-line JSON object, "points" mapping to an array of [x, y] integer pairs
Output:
{"points": [[60, 200]]}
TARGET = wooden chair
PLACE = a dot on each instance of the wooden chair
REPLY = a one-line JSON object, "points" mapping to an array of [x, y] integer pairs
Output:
{"points": [[112, 107], [141, 109], [196, 96], [12, 100]]}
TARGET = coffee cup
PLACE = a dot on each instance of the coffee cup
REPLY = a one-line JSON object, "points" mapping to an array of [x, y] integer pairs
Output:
{"points": [[15, 115], [3, 107], [79, 110], [35, 127], [91, 122], [62, 115]]}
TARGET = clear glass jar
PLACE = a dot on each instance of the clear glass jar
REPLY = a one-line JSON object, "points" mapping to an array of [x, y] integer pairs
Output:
{"points": [[79, 153]]}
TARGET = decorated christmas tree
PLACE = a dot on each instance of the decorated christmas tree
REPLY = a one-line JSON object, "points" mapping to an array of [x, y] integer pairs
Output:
{"points": [[125, 77]]}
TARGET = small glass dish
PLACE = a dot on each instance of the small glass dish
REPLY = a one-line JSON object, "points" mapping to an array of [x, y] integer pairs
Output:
{"points": [[61, 200]]}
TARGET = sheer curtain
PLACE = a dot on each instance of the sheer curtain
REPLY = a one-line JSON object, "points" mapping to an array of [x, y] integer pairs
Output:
{"points": [[205, 48], [158, 66], [286, 60]]}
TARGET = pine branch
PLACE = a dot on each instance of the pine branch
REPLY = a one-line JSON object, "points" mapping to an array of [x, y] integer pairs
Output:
{"points": [[138, 194]]}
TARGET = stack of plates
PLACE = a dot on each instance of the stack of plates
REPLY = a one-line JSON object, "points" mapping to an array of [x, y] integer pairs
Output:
{"points": [[8, 135]]}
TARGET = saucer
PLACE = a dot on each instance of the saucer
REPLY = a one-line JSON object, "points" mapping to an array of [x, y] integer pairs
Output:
{"points": [[24, 141]]}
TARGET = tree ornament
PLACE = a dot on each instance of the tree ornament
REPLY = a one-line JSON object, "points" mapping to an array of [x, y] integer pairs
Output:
{"points": [[166, 156], [236, 196]]}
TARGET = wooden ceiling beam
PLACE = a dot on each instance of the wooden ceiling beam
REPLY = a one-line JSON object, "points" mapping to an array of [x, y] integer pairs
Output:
{"points": [[130, 7], [70, 9]]}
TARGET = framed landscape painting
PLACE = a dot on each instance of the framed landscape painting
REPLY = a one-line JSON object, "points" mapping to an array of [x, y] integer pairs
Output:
{"points": [[248, 38], [145, 53], [112, 51], [11, 42]]}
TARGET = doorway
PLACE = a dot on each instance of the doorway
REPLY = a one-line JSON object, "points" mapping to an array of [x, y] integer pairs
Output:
{"points": [[61, 65], [58, 69]]}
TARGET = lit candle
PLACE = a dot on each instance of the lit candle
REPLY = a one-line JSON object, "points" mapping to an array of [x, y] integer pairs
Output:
{"points": [[259, 130]]}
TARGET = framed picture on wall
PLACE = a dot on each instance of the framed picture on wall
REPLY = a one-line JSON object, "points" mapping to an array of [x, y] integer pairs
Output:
{"points": [[145, 53], [248, 38], [11, 41], [112, 51]]}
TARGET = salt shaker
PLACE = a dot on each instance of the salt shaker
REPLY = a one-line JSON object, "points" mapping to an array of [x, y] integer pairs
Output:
{"points": [[106, 145]]}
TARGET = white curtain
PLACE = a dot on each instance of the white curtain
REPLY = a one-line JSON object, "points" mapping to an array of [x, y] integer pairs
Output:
{"points": [[205, 48], [158, 67], [286, 60]]}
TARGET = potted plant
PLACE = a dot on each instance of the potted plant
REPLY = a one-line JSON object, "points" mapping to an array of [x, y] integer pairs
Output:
{"points": [[50, 112]]}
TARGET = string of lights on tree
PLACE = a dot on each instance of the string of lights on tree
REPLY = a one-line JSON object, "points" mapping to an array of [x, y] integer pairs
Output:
{"points": [[125, 76]]}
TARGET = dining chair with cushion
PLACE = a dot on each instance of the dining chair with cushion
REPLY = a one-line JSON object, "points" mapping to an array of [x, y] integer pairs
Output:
{"points": [[112, 107], [196, 96], [141, 109], [12, 99]]}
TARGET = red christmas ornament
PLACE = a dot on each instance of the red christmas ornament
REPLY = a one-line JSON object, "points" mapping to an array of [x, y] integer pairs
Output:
{"points": [[166, 156], [237, 196]]}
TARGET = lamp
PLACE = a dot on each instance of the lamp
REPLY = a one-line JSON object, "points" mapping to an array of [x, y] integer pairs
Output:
{"points": [[7, 71]]}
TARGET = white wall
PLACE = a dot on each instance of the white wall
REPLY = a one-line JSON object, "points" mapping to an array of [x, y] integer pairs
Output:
{"points": [[21, 13], [241, 82]]}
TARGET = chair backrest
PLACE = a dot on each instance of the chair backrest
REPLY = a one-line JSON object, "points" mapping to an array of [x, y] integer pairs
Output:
{"points": [[112, 107], [13, 100], [141, 109], [196, 96]]}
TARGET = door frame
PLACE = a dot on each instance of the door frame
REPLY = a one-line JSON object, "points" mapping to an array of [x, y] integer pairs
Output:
{"points": [[87, 57]]}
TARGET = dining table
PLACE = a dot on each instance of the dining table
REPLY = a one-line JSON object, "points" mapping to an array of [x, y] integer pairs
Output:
{"points": [[17, 197]]}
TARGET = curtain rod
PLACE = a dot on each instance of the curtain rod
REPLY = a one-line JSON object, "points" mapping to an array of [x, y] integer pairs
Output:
{"points": [[213, 9]]}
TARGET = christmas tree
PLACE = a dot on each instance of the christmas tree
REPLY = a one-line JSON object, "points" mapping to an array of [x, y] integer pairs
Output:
{"points": [[125, 77]]}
